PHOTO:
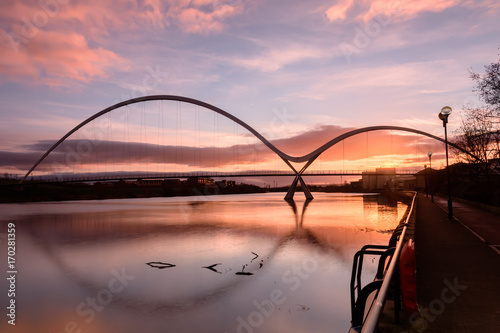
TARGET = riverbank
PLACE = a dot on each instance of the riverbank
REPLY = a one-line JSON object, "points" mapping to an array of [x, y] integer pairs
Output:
{"points": [[100, 191], [12, 192]]}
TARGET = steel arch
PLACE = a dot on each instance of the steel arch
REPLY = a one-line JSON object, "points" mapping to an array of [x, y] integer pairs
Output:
{"points": [[309, 158]]}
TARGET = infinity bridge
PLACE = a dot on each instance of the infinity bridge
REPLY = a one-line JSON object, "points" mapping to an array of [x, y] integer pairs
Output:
{"points": [[208, 174], [298, 173]]}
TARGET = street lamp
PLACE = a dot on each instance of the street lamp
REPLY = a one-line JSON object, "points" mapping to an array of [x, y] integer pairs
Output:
{"points": [[443, 115], [426, 181], [430, 175]]}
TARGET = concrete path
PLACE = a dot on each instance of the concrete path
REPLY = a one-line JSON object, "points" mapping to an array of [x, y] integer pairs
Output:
{"points": [[458, 273]]}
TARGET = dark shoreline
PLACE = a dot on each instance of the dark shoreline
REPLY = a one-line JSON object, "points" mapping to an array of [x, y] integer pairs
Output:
{"points": [[67, 192], [15, 193]]}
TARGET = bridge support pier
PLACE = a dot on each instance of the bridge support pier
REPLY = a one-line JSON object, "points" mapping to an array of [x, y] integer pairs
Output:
{"points": [[293, 188]]}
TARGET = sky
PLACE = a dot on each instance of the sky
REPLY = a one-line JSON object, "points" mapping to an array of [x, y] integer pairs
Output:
{"points": [[299, 72]]}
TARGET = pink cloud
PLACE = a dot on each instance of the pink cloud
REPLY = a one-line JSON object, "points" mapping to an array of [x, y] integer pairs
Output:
{"points": [[402, 9], [63, 42], [407, 9], [101, 17], [339, 10], [57, 59], [202, 16], [199, 16], [196, 21]]}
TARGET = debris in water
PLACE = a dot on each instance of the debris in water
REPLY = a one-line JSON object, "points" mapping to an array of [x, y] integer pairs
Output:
{"points": [[159, 264], [243, 271], [301, 307], [212, 268]]}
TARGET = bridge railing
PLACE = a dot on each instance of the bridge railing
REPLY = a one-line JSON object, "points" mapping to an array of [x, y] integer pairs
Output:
{"points": [[213, 174], [371, 319]]}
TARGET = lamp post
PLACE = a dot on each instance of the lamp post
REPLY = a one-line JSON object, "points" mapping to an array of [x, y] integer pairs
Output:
{"points": [[443, 115], [430, 175], [426, 182]]}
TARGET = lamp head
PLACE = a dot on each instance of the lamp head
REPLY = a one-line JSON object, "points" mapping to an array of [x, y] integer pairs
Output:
{"points": [[429, 154], [443, 115], [446, 110]]}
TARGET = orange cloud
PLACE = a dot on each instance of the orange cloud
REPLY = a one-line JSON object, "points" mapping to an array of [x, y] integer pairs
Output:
{"points": [[305, 143]]}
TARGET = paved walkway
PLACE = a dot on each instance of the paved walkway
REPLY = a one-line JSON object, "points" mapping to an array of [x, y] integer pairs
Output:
{"points": [[484, 224], [458, 273]]}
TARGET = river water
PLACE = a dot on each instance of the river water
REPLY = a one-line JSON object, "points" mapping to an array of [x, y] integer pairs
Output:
{"points": [[228, 263]]}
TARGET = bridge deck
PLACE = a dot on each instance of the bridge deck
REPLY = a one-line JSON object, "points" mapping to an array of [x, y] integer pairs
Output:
{"points": [[174, 175]]}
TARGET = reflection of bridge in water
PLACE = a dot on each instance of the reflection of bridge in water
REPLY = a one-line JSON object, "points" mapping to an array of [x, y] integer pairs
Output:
{"points": [[62, 236], [77, 150]]}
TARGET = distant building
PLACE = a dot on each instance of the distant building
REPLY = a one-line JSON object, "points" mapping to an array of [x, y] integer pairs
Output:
{"points": [[149, 182], [226, 183], [423, 178], [406, 183], [357, 185], [384, 178], [199, 181], [377, 180]]}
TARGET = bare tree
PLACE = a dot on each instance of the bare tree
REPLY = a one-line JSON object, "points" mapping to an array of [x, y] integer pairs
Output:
{"points": [[479, 138], [478, 134], [488, 86]]}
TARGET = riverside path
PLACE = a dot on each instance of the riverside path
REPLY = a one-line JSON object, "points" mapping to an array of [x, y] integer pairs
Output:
{"points": [[458, 268]]}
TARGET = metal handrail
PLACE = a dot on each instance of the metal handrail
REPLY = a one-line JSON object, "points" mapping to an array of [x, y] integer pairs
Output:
{"points": [[371, 323], [381, 250]]}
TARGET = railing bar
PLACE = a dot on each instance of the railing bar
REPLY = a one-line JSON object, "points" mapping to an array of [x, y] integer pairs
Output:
{"points": [[371, 321]]}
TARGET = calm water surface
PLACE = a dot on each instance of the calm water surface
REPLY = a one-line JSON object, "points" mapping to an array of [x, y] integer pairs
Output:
{"points": [[235, 263]]}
